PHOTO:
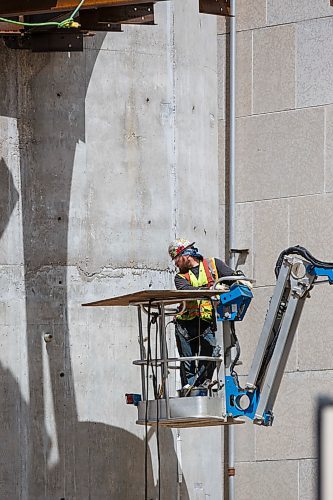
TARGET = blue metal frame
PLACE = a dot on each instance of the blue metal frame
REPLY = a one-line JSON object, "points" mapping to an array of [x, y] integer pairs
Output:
{"points": [[321, 271], [233, 394], [234, 303], [233, 306]]}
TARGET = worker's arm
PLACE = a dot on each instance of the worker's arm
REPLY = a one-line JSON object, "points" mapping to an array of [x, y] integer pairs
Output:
{"points": [[222, 270], [182, 283]]}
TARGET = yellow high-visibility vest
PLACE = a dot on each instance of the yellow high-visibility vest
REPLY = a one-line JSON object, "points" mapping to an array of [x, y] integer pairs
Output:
{"points": [[200, 308]]}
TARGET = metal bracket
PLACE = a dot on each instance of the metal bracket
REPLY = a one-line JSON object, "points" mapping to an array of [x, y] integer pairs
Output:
{"points": [[9, 28], [215, 7], [242, 255], [51, 41], [239, 250], [102, 19]]}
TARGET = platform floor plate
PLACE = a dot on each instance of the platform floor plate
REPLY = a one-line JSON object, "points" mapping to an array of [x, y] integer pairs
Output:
{"points": [[199, 411], [182, 423]]}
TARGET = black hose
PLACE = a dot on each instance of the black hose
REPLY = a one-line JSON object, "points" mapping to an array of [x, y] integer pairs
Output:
{"points": [[303, 252]]}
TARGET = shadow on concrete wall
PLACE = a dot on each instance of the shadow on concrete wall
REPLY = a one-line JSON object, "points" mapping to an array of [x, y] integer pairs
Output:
{"points": [[94, 461], [8, 195], [13, 436]]}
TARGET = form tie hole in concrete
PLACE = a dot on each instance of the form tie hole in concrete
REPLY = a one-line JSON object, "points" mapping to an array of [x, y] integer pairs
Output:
{"points": [[62, 374]]}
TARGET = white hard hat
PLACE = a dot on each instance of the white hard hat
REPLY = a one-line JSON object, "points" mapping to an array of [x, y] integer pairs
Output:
{"points": [[178, 246]]}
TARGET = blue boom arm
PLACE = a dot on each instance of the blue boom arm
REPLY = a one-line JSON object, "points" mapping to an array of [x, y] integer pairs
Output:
{"points": [[295, 278]]}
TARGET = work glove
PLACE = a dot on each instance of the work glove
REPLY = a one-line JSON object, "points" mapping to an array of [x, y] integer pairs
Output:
{"points": [[221, 287], [246, 283]]}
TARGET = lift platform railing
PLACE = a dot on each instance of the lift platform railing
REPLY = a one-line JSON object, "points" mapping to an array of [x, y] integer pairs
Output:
{"points": [[168, 408]]}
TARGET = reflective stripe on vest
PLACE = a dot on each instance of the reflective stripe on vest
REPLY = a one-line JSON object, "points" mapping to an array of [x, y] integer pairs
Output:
{"points": [[200, 308]]}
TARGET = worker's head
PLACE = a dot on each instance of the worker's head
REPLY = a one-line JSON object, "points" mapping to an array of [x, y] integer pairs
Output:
{"points": [[184, 254]]}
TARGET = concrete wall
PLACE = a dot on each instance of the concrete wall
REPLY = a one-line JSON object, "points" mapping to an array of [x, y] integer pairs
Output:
{"points": [[102, 154], [284, 197]]}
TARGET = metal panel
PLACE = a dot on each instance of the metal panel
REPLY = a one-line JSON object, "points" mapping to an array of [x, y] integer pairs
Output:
{"points": [[145, 296]]}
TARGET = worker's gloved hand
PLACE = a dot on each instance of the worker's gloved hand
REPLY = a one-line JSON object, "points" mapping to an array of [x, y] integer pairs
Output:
{"points": [[221, 287], [246, 283]]}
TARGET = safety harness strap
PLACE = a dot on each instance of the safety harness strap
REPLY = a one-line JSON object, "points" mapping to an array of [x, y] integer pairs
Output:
{"points": [[210, 279]]}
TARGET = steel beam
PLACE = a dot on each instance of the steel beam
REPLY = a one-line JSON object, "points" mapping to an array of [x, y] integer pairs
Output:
{"points": [[53, 41], [215, 7], [90, 21], [102, 19], [25, 7]]}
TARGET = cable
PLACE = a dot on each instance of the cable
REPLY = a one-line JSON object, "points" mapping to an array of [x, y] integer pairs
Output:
{"points": [[198, 366], [152, 319], [150, 361], [66, 23], [298, 250], [158, 415], [75, 11], [146, 408], [233, 373]]}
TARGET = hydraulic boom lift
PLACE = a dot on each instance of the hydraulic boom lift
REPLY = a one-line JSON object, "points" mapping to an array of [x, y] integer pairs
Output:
{"points": [[297, 271]]}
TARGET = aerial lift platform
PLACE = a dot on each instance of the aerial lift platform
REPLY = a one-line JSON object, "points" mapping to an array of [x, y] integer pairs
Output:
{"points": [[225, 403]]}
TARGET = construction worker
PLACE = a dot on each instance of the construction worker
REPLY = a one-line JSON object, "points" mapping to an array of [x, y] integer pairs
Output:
{"points": [[195, 326]]}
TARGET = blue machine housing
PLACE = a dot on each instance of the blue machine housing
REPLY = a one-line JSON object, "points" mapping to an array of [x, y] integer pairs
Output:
{"points": [[233, 396], [234, 303], [321, 271]]}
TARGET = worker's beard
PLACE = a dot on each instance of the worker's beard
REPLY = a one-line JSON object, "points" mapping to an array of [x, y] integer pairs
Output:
{"points": [[184, 266]]}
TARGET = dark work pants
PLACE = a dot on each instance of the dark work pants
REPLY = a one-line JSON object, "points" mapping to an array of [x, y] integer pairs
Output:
{"points": [[190, 344]]}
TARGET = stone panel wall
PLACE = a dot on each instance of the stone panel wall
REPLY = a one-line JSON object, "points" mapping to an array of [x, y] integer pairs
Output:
{"points": [[284, 184]]}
